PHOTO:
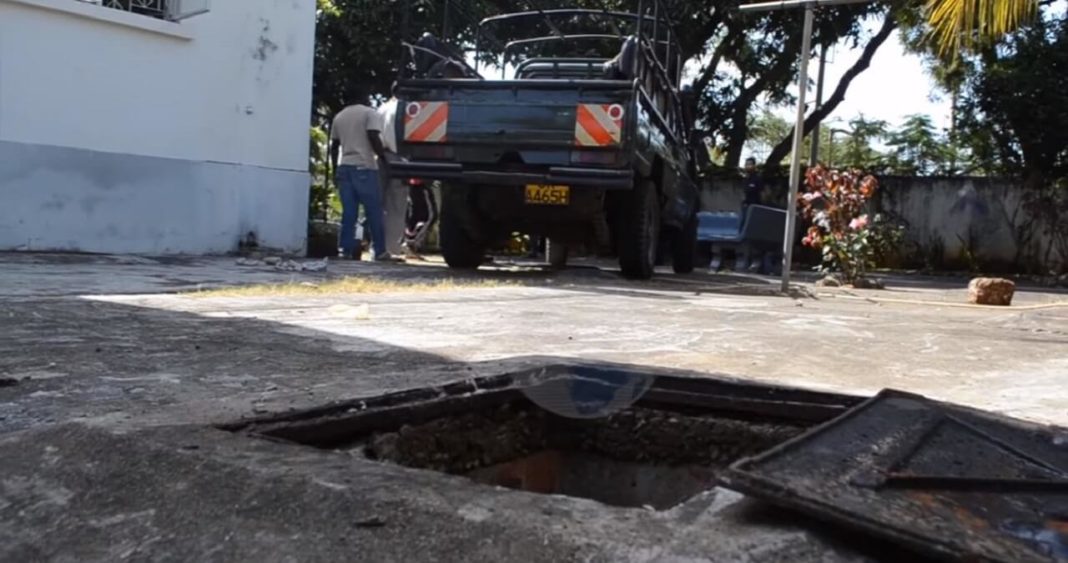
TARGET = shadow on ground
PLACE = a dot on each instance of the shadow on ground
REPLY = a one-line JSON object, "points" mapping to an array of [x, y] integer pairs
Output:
{"points": [[108, 363]]}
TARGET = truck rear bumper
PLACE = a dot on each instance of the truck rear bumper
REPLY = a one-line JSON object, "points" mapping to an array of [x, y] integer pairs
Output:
{"points": [[556, 175]]}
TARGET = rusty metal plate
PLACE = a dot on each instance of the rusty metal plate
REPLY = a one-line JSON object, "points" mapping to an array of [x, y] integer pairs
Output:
{"points": [[942, 480]]}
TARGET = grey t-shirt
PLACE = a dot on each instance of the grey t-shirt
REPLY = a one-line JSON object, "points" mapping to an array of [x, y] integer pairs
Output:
{"points": [[350, 127]]}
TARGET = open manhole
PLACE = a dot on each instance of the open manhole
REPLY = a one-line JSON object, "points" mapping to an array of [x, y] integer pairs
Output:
{"points": [[609, 434]]}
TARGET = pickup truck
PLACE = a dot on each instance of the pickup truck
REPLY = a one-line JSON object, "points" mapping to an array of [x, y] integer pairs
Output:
{"points": [[580, 149]]}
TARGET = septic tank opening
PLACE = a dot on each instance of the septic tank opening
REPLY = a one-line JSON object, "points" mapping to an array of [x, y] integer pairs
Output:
{"points": [[618, 437]]}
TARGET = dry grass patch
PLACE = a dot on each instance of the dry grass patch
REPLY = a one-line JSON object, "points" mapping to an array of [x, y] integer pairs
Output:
{"points": [[349, 285]]}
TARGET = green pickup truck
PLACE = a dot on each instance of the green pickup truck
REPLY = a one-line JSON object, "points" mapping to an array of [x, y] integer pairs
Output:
{"points": [[592, 149]]}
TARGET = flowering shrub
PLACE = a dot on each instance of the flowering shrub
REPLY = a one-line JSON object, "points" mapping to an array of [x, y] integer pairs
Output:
{"points": [[835, 201]]}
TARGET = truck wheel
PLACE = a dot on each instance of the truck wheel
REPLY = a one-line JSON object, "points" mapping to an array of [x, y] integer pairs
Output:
{"points": [[640, 232], [556, 254], [684, 247], [460, 249]]}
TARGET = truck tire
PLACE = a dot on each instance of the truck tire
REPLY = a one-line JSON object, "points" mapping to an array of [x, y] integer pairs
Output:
{"points": [[556, 254], [684, 247], [460, 249], [640, 232]]}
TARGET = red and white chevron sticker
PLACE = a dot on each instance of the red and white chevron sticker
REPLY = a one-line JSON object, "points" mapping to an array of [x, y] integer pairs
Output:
{"points": [[426, 122], [598, 125]]}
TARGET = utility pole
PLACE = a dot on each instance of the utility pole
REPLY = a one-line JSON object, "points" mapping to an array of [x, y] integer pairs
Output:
{"points": [[814, 157], [445, 23], [799, 126]]}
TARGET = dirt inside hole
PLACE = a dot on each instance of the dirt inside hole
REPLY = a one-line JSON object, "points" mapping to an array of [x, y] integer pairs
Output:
{"points": [[636, 457]]}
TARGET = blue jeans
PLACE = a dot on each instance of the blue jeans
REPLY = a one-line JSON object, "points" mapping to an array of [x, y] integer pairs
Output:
{"points": [[360, 186]]}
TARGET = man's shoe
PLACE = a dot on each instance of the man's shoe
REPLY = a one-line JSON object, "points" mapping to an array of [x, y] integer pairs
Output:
{"points": [[387, 257]]}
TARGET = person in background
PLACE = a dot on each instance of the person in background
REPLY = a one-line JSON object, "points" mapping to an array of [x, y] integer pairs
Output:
{"points": [[355, 136], [754, 185], [394, 192], [754, 195]]}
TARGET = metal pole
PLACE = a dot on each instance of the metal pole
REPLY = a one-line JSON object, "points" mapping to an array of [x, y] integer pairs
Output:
{"points": [[830, 149], [814, 157], [405, 53], [641, 19], [799, 136], [478, 45], [445, 24], [667, 53], [656, 29]]}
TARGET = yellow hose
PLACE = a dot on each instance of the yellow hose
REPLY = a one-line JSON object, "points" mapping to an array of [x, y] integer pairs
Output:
{"points": [[1056, 305]]}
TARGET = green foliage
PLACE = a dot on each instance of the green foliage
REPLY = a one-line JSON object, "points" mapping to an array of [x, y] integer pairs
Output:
{"points": [[766, 129], [916, 149], [888, 242], [1008, 90], [750, 57], [323, 202], [913, 149], [358, 44], [1014, 106], [1013, 118], [856, 151]]}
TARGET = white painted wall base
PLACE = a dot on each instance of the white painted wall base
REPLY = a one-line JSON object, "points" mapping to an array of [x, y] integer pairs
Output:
{"points": [[123, 133], [67, 199]]}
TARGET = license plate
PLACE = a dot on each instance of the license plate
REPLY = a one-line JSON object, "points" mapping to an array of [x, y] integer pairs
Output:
{"points": [[547, 195]]}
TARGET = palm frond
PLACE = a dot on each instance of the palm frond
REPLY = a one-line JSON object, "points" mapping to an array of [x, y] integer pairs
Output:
{"points": [[957, 25]]}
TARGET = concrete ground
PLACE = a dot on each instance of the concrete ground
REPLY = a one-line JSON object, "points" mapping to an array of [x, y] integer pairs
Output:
{"points": [[108, 380]]}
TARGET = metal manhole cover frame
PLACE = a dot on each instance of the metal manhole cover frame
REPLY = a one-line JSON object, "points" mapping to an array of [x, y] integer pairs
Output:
{"points": [[745, 476]]}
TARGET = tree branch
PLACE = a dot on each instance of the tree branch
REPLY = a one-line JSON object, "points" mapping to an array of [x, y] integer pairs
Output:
{"points": [[786, 145], [739, 120], [709, 71]]}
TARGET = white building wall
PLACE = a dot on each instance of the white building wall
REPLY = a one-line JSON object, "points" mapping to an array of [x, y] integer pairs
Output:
{"points": [[122, 133]]}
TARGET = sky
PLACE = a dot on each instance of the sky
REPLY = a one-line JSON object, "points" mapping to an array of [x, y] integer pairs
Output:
{"points": [[896, 85]]}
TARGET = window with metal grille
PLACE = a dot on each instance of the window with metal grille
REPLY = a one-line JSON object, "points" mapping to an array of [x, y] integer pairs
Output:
{"points": [[170, 10]]}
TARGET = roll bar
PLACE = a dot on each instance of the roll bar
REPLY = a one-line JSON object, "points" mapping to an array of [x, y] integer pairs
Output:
{"points": [[659, 20]]}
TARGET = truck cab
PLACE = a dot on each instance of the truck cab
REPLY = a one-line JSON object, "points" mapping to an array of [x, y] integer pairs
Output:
{"points": [[582, 146]]}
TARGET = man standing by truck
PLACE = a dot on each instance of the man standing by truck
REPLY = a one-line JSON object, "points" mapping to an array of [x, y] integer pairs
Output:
{"points": [[355, 135]]}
